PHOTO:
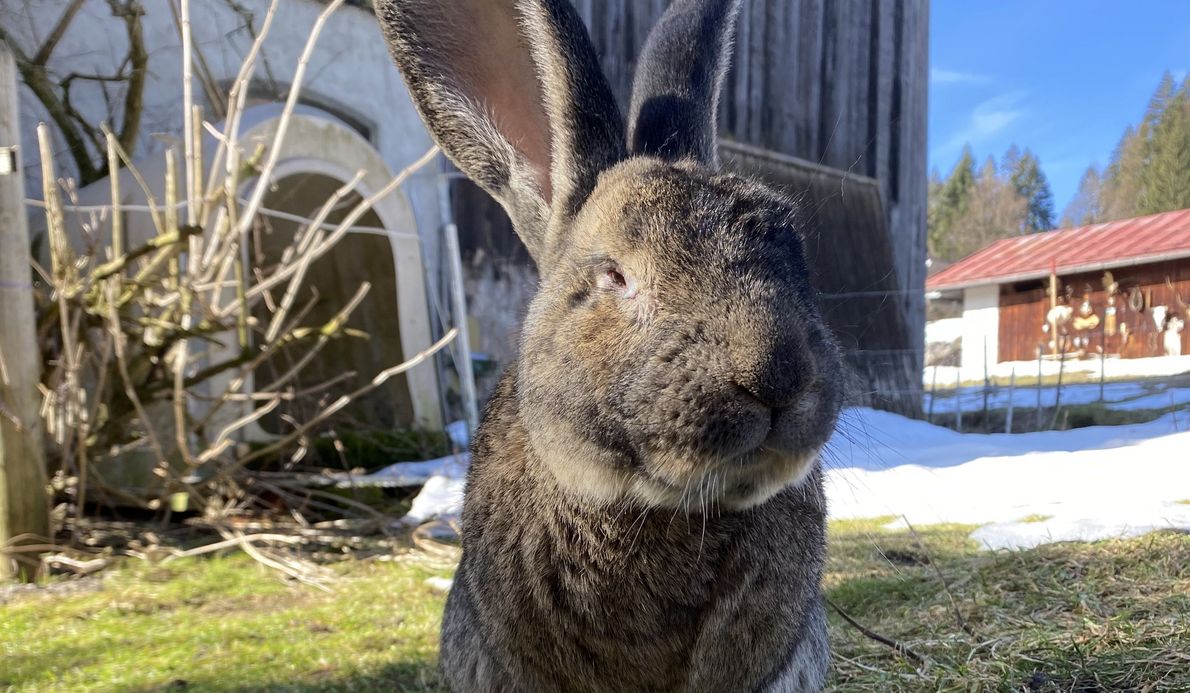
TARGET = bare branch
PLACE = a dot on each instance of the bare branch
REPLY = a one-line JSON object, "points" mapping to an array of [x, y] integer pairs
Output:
{"points": [[51, 41], [138, 58]]}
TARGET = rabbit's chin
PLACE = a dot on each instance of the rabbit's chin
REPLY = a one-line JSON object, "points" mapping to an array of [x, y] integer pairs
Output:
{"points": [[596, 475]]}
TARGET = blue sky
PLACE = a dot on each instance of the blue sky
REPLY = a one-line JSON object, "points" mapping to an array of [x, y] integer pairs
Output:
{"points": [[1061, 77]]}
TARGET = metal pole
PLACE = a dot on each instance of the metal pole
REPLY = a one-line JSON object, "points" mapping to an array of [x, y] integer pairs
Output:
{"points": [[23, 505], [459, 312]]}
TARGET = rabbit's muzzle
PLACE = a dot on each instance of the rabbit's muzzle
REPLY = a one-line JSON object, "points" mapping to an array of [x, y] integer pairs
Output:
{"points": [[731, 425]]}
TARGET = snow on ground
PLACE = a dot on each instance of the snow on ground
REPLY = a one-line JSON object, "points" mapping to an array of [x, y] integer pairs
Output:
{"points": [[1116, 395], [1084, 484], [944, 331], [1022, 489]]}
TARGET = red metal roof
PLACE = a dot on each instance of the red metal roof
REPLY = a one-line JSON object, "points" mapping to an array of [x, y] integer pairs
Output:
{"points": [[1136, 241]]}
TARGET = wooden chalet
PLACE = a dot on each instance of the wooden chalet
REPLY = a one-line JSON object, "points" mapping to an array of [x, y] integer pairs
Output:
{"points": [[1120, 288]]}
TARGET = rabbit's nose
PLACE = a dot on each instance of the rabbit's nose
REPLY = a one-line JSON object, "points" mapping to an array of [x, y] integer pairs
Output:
{"points": [[776, 378]]}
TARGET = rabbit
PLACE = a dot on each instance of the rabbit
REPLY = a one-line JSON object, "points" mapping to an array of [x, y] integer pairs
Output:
{"points": [[644, 509]]}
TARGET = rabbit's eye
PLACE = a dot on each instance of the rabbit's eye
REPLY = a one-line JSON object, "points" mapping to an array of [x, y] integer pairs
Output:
{"points": [[615, 279]]}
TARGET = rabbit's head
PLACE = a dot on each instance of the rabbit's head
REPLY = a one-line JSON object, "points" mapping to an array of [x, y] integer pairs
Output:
{"points": [[673, 354]]}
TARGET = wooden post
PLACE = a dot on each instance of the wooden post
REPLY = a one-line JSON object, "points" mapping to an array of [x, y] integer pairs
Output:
{"points": [[1053, 304], [1037, 412], [1102, 360], [933, 395], [23, 505], [1058, 391], [958, 400], [987, 386], [1011, 402]]}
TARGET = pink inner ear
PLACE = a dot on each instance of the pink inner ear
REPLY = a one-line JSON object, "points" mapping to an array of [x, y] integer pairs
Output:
{"points": [[496, 69]]}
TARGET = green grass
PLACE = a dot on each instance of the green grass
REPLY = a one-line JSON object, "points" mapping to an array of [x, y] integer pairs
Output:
{"points": [[227, 624], [1109, 616]]}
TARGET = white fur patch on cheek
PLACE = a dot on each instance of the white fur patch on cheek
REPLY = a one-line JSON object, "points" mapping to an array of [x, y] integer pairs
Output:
{"points": [[786, 472], [579, 466]]}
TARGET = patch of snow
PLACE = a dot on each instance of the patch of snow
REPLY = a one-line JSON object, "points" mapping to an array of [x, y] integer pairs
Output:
{"points": [[946, 330], [440, 499], [402, 474], [1089, 483]]}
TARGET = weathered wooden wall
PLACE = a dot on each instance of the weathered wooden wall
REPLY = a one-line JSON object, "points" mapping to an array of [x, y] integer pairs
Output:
{"points": [[1023, 307]]}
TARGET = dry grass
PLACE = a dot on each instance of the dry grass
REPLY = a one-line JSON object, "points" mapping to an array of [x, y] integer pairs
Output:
{"points": [[1108, 616]]}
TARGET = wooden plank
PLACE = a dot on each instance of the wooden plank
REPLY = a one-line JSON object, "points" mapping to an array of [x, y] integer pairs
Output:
{"points": [[23, 502]]}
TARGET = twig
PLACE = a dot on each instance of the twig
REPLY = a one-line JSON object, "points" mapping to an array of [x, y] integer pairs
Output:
{"points": [[266, 173], [343, 401], [78, 567], [958, 615], [900, 648], [344, 226], [234, 542]]}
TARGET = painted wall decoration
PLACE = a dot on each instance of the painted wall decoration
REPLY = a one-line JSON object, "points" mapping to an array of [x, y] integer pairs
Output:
{"points": [[1130, 312]]}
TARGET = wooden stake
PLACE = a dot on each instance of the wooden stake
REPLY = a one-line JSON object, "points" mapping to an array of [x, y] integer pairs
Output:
{"points": [[1037, 413], [1011, 403], [987, 386], [933, 394], [23, 505], [958, 401]]}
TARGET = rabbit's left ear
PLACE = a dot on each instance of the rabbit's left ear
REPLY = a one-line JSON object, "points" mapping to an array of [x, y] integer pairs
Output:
{"points": [[675, 93], [513, 93]]}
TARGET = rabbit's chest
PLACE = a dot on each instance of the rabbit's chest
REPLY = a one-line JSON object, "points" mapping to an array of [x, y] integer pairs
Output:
{"points": [[652, 615]]}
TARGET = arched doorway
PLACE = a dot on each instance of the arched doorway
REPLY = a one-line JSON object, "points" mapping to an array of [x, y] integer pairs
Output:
{"points": [[374, 342]]}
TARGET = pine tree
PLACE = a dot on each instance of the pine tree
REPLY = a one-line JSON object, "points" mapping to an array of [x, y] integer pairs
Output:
{"points": [[950, 204], [1122, 184], [1166, 177], [1025, 174], [1149, 171], [969, 210], [1086, 207]]}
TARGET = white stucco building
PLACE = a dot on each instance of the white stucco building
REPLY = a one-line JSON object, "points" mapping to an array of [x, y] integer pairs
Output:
{"points": [[354, 113]]}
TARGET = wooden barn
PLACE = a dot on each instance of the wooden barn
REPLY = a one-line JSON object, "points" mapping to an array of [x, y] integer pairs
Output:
{"points": [[1121, 289], [825, 99]]}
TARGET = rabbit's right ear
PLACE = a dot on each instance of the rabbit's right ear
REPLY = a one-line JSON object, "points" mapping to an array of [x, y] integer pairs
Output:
{"points": [[675, 93], [513, 93]]}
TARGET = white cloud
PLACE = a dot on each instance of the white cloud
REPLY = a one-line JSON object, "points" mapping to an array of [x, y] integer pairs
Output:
{"points": [[988, 118], [940, 77]]}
